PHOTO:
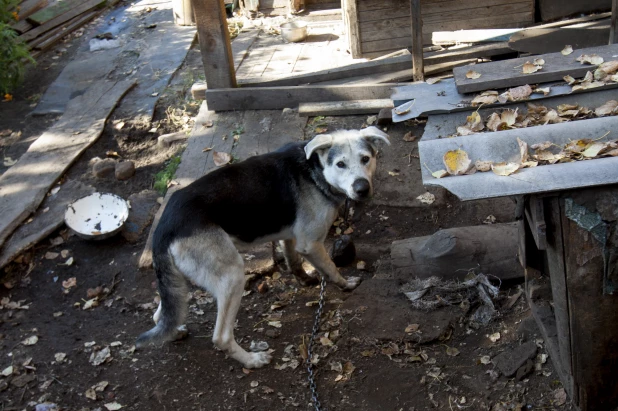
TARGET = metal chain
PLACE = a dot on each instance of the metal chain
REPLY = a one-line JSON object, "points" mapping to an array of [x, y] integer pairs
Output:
{"points": [[316, 328]]}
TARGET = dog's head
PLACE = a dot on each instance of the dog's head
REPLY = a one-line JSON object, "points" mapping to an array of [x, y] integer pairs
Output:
{"points": [[349, 159]]}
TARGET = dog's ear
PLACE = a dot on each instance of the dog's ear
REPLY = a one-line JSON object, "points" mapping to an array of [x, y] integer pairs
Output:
{"points": [[319, 142], [375, 136]]}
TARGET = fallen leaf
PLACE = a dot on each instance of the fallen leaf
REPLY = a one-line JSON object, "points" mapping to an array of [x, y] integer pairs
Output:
{"points": [[208, 123], [409, 137], [100, 386], [504, 169], [494, 337], [221, 158], [610, 107], [336, 366], [472, 74], [486, 359], [99, 357], [593, 59], [93, 302], [393, 173], [412, 328], [7, 371], [519, 93], [51, 255], [368, 353], [560, 397], [483, 166], [371, 120], [113, 406], [432, 80], [276, 324], [523, 150], [456, 162], [30, 340], [567, 50], [486, 97], [544, 90], [569, 80], [90, 394], [325, 341], [452, 351], [593, 149], [69, 261], [490, 219], [538, 61], [60, 357], [361, 265], [71, 282], [440, 173], [348, 368], [206, 149], [426, 198], [529, 68]]}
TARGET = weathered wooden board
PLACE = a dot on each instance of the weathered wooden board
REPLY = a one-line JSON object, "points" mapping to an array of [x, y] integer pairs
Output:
{"points": [[75, 11], [29, 7], [54, 35], [270, 98], [344, 108], [556, 9], [542, 41], [264, 131], [22, 27], [24, 185], [241, 45], [53, 11], [44, 222], [508, 73]]}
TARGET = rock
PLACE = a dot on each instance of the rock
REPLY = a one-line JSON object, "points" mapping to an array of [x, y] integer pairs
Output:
{"points": [[23, 380], [524, 370], [103, 168], [125, 170], [143, 208], [46, 406], [528, 329], [273, 333], [3, 386], [343, 252], [508, 362]]}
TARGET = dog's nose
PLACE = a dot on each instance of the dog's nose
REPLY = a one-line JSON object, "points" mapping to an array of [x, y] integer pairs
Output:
{"points": [[361, 187]]}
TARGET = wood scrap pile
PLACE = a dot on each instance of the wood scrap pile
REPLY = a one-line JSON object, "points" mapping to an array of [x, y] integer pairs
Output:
{"points": [[42, 23]]}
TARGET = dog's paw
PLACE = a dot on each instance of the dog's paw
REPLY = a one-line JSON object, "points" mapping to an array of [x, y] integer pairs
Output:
{"points": [[182, 332], [307, 278], [352, 283], [259, 359], [257, 346]]}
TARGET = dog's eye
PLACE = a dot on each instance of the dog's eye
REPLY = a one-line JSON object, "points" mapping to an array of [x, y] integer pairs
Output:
{"points": [[365, 159], [341, 164]]}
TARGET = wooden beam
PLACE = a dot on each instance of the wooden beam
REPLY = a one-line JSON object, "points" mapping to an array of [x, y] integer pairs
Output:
{"points": [[351, 17], [215, 46], [613, 30], [417, 40], [272, 98], [29, 7], [343, 108]]}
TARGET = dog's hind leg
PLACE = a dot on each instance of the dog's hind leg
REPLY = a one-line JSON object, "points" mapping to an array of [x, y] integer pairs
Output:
{"points": [[295, 263]]}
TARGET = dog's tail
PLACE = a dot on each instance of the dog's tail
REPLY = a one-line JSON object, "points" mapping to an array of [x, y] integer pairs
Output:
{"points": [[173, 308]]}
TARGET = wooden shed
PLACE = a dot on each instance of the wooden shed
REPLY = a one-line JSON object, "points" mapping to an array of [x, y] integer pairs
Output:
{"points": [[376, 27]]}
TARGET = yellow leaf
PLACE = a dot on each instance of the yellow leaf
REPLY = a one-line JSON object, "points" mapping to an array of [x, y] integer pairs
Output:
{"points": [[593, 149], [505, 169], [530, 68], [456, 162]]}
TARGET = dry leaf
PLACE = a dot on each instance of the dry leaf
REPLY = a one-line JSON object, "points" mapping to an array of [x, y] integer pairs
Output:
{"points": [[610, 107], [30, 340], [544, 90], [432, 80], [452, 351], [523, 150], [593, 59], [113, 406], [91, 394], [486, 97], [519, 93], [593, 150], [409, 137], [472, 74], [567, 50], [538, 62], [569, 80], [276, 324], [494, 337], [505, 169], [456, 162], [99, 357], [221, 158], [51, 255], [609, 67], [426, 198], [440, 173], [483, 166], [560, 397], [93, 302], [412, 328], [60, 357], [71, 282], [486, 359], [206, 149], [529, 68]]}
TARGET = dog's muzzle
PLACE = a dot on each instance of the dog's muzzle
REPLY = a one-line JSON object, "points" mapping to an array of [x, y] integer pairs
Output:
{"points": [[362, 188]]}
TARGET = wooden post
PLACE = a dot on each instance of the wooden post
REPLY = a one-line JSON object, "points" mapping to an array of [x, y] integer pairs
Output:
{"points": [[214, 38], [350, 15], [613, 30], [418, 70]]}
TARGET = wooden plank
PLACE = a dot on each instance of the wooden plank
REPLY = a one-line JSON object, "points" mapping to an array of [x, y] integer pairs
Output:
{"points": [[353, 31], [52, 12], [269, 98], [542, 41], [508, 73], [24, 186], [22, 26], [241, 45], [344, 108], [76, 11], [43, 223], [29, 7], [551, 10], [214, 39], [53, 36], [416, 21], [613, 30], [476, 51]]}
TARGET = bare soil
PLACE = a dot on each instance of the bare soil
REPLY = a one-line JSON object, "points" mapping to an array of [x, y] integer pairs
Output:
{"points": [[390, 369]]}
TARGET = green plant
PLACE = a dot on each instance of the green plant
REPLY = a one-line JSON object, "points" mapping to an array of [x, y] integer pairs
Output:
{"points": [[163, 177], [14, 54]]}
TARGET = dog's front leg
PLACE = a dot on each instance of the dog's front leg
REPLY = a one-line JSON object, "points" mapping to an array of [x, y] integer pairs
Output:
{"points": [[317, 255], [295, 263]]}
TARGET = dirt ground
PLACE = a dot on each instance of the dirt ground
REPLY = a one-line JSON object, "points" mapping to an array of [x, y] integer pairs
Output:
{"points": [[367, 360]]}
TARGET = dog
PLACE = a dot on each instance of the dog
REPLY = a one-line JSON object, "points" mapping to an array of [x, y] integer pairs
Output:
{"points": [[291, 195]]}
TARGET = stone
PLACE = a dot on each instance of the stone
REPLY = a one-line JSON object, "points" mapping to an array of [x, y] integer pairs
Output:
{"points": [[524, 370], [508, 362], [528, 329], [143, 208], [103, 168], [343, 252], [273, 333], [23, 380], [125, 170]]}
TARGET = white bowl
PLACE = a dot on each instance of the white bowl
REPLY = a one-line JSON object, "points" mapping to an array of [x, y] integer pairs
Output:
{"points": [[294, 31], [97, 216]]}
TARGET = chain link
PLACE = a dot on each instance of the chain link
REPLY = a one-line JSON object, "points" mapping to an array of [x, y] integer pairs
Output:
{"points": [[316, 328]]}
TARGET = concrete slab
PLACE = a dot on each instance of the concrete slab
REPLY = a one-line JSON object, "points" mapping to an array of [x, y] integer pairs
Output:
{"points": [[149, 55]]}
